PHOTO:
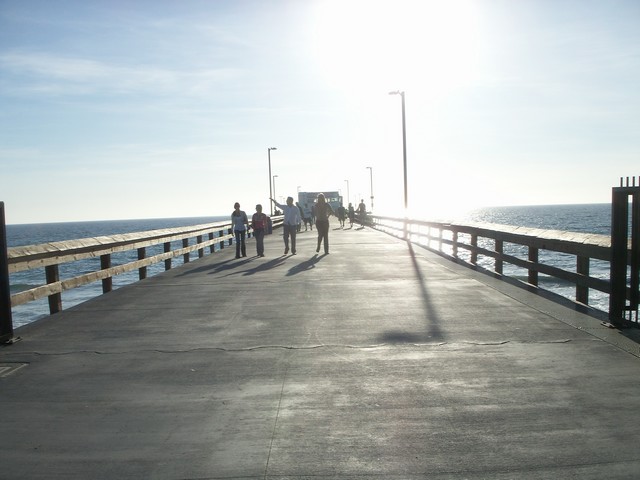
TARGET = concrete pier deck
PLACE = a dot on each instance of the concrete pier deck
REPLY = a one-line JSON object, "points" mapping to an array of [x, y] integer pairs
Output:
{"points": [[379, 360]]}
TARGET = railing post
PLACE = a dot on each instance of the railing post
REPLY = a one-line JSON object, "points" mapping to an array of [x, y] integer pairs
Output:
{"points": [[52, 275], [200, 250], [212, 248], [454, 243], [142, 271], [582, 268], [231, 239], [499, 262], [474, 250], [220, 235], [533, 258], [105, 263], [167, 249], [185, 244], [6, 319]]}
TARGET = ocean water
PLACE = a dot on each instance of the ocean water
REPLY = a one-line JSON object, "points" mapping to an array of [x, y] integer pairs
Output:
{"points": [[594, 218], [583, 218]]}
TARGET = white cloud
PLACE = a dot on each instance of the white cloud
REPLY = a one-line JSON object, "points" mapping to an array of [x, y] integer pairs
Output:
{"points": [[55, 74]]}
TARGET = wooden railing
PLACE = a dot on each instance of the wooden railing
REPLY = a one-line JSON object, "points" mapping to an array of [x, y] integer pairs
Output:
{"points": [[504, 243], [50, 256]]}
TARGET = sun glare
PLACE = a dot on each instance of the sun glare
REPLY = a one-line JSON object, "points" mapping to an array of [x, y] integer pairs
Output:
{"points": [[367, 44]]}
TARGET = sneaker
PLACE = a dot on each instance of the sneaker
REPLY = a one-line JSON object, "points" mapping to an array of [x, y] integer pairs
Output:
{"points": [[286, 250]]}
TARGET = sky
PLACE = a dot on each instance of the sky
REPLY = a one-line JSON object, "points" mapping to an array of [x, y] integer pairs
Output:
{"points": [[113, 109]]}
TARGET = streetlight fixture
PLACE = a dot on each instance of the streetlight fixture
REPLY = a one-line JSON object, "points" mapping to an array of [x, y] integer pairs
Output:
{"points": [[347, 191], [404, 147], [274, 189], [371, 176], [270, 191]]}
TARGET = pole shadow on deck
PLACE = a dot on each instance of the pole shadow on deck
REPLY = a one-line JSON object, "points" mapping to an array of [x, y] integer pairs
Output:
{"points": [[433, 332]]}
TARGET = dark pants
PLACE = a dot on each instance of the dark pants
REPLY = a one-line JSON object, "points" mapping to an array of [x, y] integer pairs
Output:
{"points": [[240, 245], [289, 230], [259, 234], [323, 234]]}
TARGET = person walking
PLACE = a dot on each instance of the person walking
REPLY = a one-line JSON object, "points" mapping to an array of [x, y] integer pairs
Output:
{"points": [[240, 226], [259, 223], [290, 224], [342, 213], [306, 217], [352, 214], [323, 210], [362, 212]]}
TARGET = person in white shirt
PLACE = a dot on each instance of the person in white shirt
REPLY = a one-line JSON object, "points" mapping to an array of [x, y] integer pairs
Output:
{"points": [[290, 225], [240, 226]]}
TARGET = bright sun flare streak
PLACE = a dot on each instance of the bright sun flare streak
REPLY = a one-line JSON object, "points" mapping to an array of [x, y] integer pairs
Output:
{"points": [[428, 49], [364, 44]]}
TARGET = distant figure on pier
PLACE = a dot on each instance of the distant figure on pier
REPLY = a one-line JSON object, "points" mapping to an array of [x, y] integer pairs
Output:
{"points": [[240, 224], [323, 210], [301, 216], [362, 212], [352, 214], [259, 223], [306, 217], [290, 224], [342, 213]]}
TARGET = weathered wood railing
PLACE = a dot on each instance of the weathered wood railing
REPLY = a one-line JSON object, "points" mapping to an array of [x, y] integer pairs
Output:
{"points": [[50, 256], [491, 240]]}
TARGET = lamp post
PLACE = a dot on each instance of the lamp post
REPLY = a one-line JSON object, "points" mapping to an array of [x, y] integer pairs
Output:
{"points": [[347, 191], [274, 189], [404, 147], [371, 177], [270, 191]]}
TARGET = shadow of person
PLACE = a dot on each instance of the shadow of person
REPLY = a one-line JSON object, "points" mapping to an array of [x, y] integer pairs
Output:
{"points": [[263, 267], [216, 267], [304, 266]]}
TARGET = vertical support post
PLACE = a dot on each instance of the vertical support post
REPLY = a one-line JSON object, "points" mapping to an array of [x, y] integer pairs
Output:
{"points": [[52, 275], [185, 244], [212, 248], [454, 241], [634, 283], [220, 235], [167, 262], [142, 271], [6, 319], [474, 249], [200, 250], [231, 239], [105, 263], [582, 269], [499, 262], [619, 242], [533, 258]]}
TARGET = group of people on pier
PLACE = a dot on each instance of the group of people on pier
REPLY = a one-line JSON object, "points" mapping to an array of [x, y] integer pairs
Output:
{"points": [[294, 216]]}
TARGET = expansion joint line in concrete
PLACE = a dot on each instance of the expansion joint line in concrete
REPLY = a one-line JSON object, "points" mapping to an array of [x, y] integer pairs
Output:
{"points": [[275, 422]]}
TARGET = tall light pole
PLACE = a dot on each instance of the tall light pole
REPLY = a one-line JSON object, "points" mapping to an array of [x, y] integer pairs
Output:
{"points": [[347, 191], [274, 189], [270, 191], [371, 176], [404, 147]]}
